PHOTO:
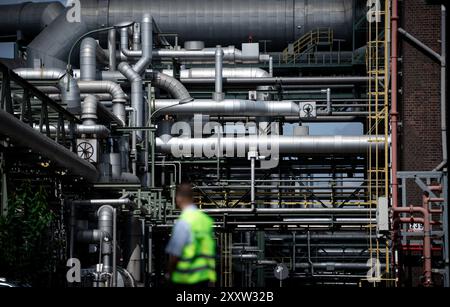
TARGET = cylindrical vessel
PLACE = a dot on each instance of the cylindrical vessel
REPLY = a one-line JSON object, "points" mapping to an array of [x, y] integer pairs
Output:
{"points": [[236, 21], [224, 22]]}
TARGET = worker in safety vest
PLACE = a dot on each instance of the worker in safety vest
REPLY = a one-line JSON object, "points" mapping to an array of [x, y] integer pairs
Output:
{"points": [[191, 249]]}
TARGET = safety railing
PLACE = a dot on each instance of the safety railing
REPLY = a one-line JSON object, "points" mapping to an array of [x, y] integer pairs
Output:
{"points": [[307, 43]]}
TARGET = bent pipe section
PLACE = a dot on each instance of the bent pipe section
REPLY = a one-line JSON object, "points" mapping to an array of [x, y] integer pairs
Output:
{"points": [[72, 96], [171, 85], [179, 146], [137, 94], [23, 134]]}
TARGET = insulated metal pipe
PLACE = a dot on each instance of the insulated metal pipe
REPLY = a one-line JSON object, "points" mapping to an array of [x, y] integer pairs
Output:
{"points": [[70, 93], [218, 94], [278, 211], [274, 144], [114, 89], [112, 49], [40, 73], [227, 72], [171, 85], [88, 63], [147, 44], [229, 107], [231, 55], [89, 110], [281, 80], [105, 225], [137, 95], [124, 44]]}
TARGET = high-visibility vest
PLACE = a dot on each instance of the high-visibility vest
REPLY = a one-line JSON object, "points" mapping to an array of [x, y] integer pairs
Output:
{"points": [[198, 259]]}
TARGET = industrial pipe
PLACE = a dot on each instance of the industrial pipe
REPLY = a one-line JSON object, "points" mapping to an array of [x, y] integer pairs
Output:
{"points": [[229, 107], [174, 87], [275, 144], [218, 94], [88, 63], [147, 45], [281, 80], [70, 94], [227, 72], [137, 95], [114, 89], [112, 50], [274, 20], [427, 234]]}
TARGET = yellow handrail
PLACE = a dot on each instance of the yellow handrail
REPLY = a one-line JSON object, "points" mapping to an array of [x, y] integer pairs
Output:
{"points": [[310, 40]]}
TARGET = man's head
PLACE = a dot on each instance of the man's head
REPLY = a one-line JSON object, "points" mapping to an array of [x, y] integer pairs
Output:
{"points": [[184, 196]]}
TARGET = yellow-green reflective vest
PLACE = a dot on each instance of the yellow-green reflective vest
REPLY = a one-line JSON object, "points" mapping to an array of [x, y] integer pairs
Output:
{"points": [[198, 260]]}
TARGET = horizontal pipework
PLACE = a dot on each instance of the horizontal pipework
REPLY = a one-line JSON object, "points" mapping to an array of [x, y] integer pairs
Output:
{"points": [[179, 146]]}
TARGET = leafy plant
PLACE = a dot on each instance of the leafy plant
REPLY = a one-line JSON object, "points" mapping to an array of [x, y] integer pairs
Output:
{"points": [[25, 235]]}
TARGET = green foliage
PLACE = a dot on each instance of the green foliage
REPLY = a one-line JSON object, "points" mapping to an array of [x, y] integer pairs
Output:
{"points": [[25, 235]]}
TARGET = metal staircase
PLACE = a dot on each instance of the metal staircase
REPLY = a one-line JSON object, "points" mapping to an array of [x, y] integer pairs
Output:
{"points": [[307, 43]]}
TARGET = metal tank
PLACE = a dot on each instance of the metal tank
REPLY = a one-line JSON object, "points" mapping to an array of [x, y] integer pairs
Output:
{"points": [[224, 22], [231, 22]]}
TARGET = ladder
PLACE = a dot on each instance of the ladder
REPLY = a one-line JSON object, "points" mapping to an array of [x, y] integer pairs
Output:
{"points": [[308, 42]]}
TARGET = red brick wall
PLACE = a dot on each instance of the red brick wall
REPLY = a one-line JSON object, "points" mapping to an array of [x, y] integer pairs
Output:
{"points": [[420, 97], [419, 105]]}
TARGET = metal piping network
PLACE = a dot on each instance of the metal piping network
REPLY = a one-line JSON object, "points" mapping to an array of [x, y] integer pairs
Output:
{"points": [[89, 117], [426, 213], [72, 97], [114, 89]]}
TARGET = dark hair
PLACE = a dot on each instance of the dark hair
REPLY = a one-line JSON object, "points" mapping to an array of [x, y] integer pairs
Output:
{"points": [[184, 190]]}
